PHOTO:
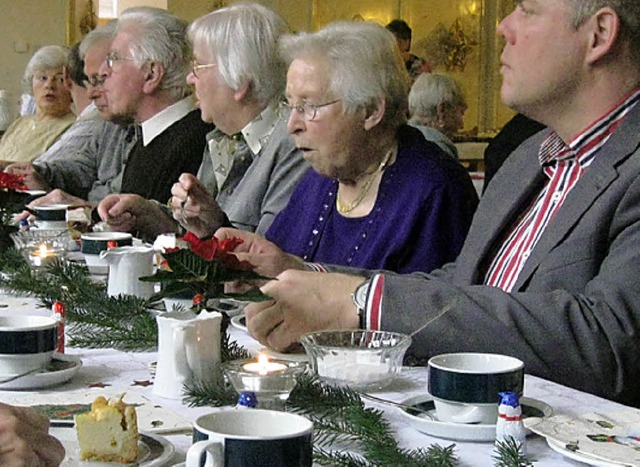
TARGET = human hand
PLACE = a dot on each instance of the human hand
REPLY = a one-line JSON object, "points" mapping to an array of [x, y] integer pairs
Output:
{"points": [[302, 302], [266, 257], [32, 178], [25, 439], [194, 207], [118, 211]]}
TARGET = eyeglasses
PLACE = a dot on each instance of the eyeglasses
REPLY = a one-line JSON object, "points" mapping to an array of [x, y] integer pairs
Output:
{"points": [[94, 81], [303, 108], [195, 66], [113, 57]]}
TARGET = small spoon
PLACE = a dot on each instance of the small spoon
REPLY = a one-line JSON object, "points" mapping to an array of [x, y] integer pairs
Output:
{"points": [[411, 409], [21, 375]]}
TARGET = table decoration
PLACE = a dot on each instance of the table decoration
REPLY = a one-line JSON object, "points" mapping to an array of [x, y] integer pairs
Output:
{"points": [[202, 268], [271, 380]]}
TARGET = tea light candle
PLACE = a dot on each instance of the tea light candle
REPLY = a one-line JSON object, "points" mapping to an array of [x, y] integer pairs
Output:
{"points": [[42, 255], [263, 366], [271, 381]]}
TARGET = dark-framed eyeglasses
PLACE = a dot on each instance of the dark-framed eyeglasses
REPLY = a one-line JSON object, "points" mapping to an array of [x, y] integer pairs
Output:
{"points": [[306, 109], [94, 81], [113, 57], [195, 67]]}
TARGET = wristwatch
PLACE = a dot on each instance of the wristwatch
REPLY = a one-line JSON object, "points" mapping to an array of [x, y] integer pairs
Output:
{"points": [[359, 297]]}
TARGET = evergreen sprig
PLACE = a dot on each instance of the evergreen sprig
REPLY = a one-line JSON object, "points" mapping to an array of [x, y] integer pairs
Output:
{"points": [[509, 453]]}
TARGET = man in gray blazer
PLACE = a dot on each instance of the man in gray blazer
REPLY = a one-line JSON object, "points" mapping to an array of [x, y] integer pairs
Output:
{"points": [[550, 271]]}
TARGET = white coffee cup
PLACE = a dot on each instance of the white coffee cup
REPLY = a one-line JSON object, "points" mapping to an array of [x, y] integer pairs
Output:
{"points": [[465, 386]]}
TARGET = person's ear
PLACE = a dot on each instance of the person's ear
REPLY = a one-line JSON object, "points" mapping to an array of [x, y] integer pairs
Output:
{"points": [[374, 114], [154, 73], [242, 92], [604, 31]]}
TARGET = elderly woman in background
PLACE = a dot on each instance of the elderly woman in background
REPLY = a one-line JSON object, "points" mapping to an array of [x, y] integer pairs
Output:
{"points": [[31, 135], [437, 106], [380, 196]]}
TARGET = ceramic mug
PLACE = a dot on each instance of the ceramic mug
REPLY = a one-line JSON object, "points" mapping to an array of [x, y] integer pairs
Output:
{"points": [[51, 217], [251, 437], [465, 386], [26, 343]]}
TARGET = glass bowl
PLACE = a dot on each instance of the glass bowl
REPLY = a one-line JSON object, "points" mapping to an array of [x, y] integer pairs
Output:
{"points": [[360, 359], [35, 237]]}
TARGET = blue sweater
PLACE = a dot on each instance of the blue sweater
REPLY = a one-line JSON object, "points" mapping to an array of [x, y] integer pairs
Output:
{"points": [[419, 221]]}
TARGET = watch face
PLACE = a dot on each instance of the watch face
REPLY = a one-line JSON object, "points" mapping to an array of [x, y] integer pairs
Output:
{"points": [[360, 296]]}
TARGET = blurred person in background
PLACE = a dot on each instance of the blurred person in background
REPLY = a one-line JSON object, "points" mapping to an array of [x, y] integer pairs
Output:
{"points": [[437, 106], [31, 135]]}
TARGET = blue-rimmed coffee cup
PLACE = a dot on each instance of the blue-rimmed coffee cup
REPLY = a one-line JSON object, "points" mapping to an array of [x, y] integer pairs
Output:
{"points": [[26, 343], [251, 437], [51, 216], [93, 243], [465, 386]]}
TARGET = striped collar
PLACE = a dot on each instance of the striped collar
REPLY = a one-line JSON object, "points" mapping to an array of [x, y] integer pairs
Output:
{"points": [[584, 146]]}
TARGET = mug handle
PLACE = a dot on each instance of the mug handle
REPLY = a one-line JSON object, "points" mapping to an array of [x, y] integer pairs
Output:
{"points": [[197, 450]]}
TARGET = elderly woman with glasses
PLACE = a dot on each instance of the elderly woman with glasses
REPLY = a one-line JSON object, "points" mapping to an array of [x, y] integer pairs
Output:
{"points": [[31, 135], [380, 196]]}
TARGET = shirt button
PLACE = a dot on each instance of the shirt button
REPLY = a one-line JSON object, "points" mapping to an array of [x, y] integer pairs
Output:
{"points": [[556, 196]]}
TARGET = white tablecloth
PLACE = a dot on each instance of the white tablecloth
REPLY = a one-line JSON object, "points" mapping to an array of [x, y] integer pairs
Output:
{"points": [[121, 370]]}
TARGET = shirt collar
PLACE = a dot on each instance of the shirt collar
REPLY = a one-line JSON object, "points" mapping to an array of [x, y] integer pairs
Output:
{"points": [[164, 119], [258, 130], [584, 145]]}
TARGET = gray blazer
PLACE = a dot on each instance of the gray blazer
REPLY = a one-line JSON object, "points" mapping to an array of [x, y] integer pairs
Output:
{"points": [[574, 314]]}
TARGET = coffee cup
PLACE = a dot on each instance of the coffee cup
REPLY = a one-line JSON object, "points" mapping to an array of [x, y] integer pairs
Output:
{"points": [[26, 344], [255, 437], [465, 386], [51, 216], [93, 243]]}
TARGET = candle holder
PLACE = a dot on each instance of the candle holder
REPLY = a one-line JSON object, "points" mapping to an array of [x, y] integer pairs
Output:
{"points": [[271, 380], [42, 255]]}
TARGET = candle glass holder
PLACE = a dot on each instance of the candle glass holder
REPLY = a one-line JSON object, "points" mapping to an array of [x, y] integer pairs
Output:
{"points": [[272, 388]]}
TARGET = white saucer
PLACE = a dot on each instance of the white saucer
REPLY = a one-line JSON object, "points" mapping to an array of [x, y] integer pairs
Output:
{"points": [[287, 357], [239, 322], [60, 370], [154, 451], [429, 424], [580, 456]]}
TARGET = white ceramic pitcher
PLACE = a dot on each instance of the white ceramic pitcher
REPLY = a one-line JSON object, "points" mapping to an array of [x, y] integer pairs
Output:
{"points": [[126, 265], [188, 348]]}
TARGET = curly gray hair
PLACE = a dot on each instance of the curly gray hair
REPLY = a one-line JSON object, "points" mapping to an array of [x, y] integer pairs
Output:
{"points": [[45, 58]]}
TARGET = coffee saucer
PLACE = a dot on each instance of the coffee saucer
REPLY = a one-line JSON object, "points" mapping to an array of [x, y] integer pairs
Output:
{"points": [[60, 370], [425, 419]]}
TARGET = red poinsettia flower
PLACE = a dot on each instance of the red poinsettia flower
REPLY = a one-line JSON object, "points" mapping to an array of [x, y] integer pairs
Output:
{"points": [[219, 250], [10, 181]]}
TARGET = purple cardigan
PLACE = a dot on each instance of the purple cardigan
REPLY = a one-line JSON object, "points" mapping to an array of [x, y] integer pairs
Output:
{"points": [[419, 221]]}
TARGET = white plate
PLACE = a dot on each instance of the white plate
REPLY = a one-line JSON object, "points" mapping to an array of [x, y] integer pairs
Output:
{"points": [[429, 424], [239, 322], [60, 370], [154, 451], [579, 456]]}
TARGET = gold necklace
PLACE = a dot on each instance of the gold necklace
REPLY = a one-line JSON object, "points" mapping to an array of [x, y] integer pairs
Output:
{"points": [[347, 208]]}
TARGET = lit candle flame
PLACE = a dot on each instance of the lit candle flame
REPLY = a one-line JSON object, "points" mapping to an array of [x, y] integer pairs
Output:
{"points": [[263, 366], [44, 251]]}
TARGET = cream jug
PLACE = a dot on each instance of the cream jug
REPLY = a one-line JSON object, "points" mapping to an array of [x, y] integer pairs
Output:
{"points": [[126, 265], [188, 349]]}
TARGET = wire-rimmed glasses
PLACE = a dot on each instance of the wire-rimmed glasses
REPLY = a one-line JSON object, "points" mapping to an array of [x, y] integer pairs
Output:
{"points": [[93, 81], [195, 66], [304, 108], [113, 57]]}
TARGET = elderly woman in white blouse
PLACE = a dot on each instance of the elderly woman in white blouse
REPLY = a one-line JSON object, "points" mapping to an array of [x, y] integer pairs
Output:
{"points": [[31, 135]]}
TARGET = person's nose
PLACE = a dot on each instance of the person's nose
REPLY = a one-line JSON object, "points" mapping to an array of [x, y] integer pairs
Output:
{"points": [[504, 28], [296, 122]]}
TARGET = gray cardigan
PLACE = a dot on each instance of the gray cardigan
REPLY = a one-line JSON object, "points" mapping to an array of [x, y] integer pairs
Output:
{"points": [[252, 200]]}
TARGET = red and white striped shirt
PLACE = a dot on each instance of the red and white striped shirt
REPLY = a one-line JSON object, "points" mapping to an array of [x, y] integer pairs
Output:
{"points": [[563, 165]]}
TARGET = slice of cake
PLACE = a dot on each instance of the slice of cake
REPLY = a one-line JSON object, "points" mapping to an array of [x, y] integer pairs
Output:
{"points": [[109, 433]]}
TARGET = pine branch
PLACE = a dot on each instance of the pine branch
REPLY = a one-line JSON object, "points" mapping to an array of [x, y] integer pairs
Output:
{"points": [[509, 453]]}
